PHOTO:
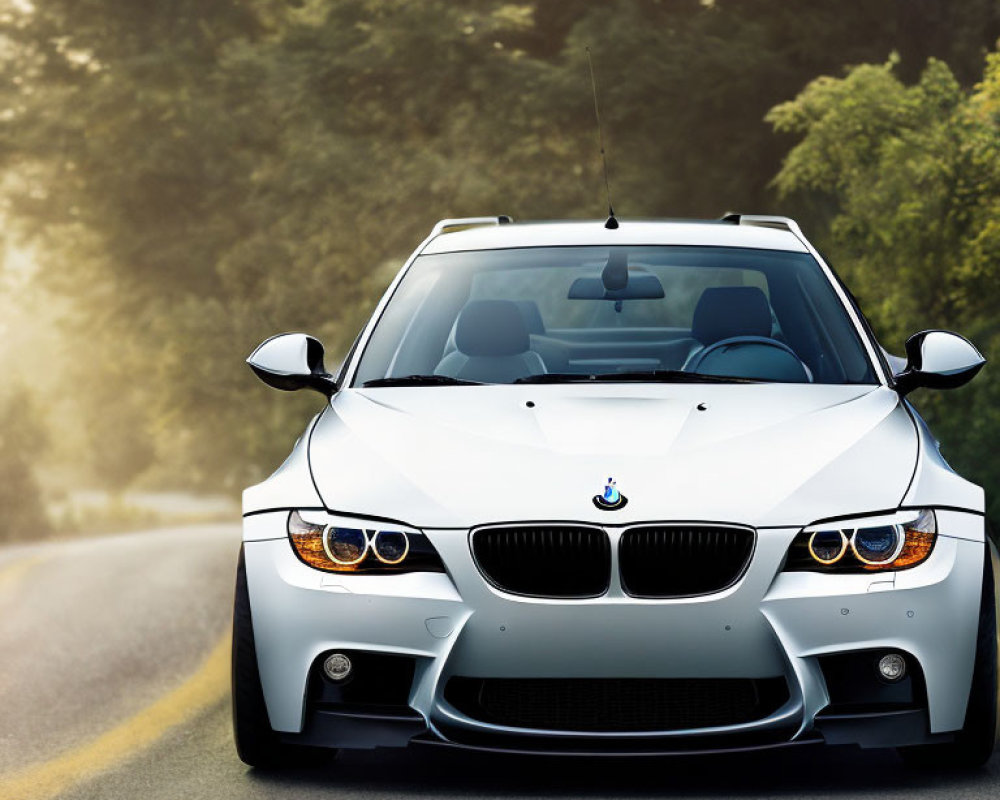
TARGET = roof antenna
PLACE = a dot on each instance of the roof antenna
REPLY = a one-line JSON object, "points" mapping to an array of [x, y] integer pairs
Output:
{"points": [[611, 223]]}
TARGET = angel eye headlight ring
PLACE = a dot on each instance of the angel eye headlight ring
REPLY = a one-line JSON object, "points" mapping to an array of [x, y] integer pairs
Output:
{"points": [[828, 547], [390, 547], [345, 547], [877, 546]]}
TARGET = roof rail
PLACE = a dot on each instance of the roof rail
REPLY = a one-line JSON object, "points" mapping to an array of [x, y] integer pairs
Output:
{"points": [[763, 221], [461, 223]]}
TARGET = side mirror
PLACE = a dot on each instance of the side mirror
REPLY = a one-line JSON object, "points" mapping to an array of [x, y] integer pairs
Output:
{"points": [[938, 360], [292, 361]]}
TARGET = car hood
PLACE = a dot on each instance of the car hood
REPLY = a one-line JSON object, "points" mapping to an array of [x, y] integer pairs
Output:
{"points": [[758, 454]]}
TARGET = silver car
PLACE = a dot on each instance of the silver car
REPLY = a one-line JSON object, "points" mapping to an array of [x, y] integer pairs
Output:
{"points": [[652, 488]]}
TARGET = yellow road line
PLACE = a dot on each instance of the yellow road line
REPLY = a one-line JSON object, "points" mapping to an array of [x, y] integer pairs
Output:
{"points": [[13, 572], [207, 686]]}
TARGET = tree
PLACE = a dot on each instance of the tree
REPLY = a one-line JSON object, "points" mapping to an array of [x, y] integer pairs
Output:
{"points": [[913, 173], [198, 176], [22, 440]]}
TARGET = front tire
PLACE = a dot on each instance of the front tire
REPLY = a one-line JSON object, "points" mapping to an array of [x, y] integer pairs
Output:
{"points": [[256, 742], [974, 744]]}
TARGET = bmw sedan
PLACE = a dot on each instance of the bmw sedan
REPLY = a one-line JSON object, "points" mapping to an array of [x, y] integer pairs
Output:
{"points": [[650, 488]]}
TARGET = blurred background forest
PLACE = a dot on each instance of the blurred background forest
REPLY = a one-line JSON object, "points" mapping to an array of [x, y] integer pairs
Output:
{"points": [[180, 180]]}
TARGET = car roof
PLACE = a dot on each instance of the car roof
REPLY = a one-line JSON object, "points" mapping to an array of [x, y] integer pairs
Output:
{"points": [[629, 232]]}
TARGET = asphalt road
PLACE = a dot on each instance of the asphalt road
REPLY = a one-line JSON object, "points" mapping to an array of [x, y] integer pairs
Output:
{"points": [[114, 684]]}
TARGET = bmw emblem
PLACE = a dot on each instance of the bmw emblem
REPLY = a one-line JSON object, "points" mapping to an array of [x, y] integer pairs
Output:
{"points": [[611, 499]]}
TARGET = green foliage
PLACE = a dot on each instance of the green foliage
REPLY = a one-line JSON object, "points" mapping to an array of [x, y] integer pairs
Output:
{"points": [[199, 176], [914, 172], [22, 440]]}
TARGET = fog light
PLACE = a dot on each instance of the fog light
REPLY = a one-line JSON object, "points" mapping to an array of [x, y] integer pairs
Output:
{"points": [[337, 667], [892, 667]]}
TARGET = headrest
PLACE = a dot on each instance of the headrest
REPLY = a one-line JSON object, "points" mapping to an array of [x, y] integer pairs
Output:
{"points": [[491, 328], [532, 316], [726, 311]]}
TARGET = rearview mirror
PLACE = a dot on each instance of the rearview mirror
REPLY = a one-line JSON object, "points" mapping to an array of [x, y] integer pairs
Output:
{"points": [[637, 286], [292, 361], [938, 360]]}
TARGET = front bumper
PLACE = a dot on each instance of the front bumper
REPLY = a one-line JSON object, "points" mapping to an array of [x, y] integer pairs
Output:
{"points": [[769, 625]]}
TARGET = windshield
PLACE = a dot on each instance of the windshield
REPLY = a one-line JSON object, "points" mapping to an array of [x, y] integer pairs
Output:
{"points": [[614, 313]]}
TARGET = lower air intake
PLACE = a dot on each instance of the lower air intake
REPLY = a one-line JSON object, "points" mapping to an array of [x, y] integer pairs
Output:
{"points": [[617, 705]]}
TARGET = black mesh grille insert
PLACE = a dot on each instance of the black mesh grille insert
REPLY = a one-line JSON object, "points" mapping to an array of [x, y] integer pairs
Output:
{"points": [[545, 560], [679, 561], [616, 705]]}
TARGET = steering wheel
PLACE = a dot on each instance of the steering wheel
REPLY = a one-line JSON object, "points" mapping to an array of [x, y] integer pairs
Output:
{"points": [[750, 357]]}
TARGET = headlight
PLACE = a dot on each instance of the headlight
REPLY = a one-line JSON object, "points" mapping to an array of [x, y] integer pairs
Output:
{"points": [[893, 542], [345, 547], [336, 544], [877, 546], [827, 547]]}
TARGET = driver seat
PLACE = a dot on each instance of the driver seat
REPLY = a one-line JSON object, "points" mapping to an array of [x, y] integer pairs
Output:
{"points": [[733, 327], [492, 343]]}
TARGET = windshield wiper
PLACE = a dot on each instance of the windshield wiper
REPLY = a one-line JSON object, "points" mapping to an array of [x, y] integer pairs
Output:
{"points": [[673, 376], [420, 380], [638, 376]]}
